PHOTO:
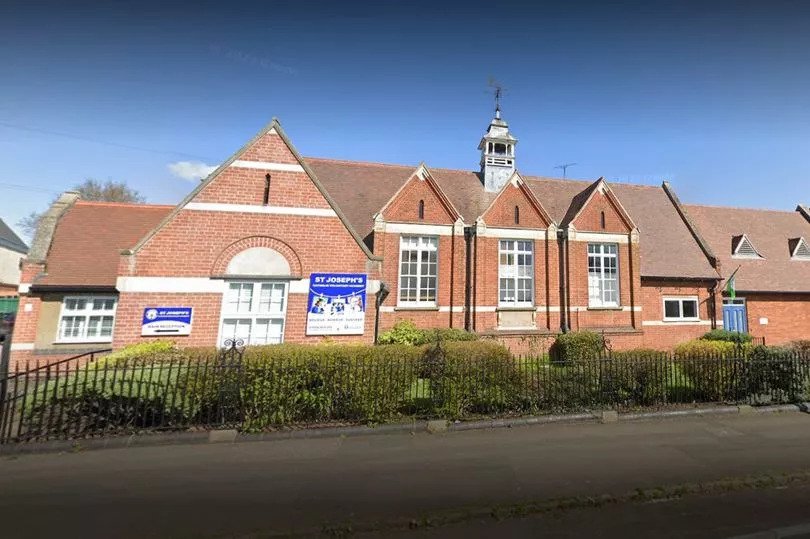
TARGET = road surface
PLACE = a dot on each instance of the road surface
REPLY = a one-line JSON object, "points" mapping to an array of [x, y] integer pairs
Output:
{"points": [[299, 486]]}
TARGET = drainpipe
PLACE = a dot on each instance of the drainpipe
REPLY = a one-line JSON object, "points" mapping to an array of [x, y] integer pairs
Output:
{"points": [[378, 301], [469, 232], [562, 241]]}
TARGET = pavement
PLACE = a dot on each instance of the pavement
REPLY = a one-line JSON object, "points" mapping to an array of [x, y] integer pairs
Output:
{"points": [[340, 484]]}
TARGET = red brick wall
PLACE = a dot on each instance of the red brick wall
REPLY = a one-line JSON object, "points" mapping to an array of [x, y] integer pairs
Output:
{"points": [[590, 216], [201, 243], [629, 289], [788, 316], [502, 212], [665, 335], [405, 207]]}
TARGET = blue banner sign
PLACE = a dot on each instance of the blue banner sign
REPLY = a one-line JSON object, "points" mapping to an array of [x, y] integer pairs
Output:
{"points": [[337, 304], [166, 321]]}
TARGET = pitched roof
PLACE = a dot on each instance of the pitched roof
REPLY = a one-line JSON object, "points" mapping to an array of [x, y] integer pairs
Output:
{"points": [[770, 231], [89, 237], [667, 246], [10, 240]]}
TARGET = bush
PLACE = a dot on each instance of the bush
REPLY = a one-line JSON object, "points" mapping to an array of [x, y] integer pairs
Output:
{"points": [[471, 377], [702, 349], [725, 335], [802, 346], [577, 345], [158, 350], [406, 332], [774, 373]]}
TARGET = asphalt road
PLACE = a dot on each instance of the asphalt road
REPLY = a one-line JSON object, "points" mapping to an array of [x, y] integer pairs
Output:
{"points": [[298, 486]]}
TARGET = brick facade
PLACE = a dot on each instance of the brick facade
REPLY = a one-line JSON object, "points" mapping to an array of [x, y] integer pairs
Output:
{"points": [[235, 211]]}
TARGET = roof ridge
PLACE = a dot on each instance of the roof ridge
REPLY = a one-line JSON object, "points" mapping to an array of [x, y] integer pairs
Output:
{"points": [[743, 208], [81, 202], [364, 163]]}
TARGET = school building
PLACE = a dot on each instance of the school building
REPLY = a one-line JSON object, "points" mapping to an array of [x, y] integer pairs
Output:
{"points": [[275, 247]]}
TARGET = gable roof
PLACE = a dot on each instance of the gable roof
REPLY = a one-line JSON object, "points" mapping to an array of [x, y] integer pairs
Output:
{"points": [[275, 127], [770, 231], [519, 183], [11, 241], [668, 248], [88, 239]]}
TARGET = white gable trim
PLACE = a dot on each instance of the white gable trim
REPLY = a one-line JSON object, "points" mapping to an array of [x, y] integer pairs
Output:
{"points": [[264, 165], [248, 208]]}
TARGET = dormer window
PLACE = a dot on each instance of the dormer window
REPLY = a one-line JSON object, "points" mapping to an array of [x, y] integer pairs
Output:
{"points": [[741, 247], [799, 249]]}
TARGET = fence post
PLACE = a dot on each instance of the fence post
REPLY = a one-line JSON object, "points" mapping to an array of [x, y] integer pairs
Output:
{"points": [[5, 361]]}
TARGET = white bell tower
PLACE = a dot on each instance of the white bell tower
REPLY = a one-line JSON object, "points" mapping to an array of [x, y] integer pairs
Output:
{"points": [[497, 151]]}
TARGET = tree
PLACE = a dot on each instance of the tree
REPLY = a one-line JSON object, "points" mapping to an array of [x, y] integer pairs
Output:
{"points": [[89, 189]]}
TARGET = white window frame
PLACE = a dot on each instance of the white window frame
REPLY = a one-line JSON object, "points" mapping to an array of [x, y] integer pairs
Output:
{"points": [[511, 272], [680, 300], [253, 314], [432, 246], [86, 313], [599, 302]]}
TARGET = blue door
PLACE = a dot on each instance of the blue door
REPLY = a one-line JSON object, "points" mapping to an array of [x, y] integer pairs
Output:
{"points": [[734, 318]]}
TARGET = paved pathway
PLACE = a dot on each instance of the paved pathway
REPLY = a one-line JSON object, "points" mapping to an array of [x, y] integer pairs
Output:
{"points": [[297, 485]]}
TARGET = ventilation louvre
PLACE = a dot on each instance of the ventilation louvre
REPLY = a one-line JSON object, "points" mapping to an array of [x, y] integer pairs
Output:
{"points": [[743, 247], [799, 249]]}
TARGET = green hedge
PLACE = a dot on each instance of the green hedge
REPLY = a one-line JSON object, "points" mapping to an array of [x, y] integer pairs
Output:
{"points": [[577, 346], [406, 332], [702, 348], [727, 336]]}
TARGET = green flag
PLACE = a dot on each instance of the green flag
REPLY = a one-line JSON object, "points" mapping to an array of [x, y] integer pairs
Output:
{"points": [[731, 288]]}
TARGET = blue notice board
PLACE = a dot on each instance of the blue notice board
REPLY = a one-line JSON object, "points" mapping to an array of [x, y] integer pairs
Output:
{"points": [[337, 304], [166, 321]]}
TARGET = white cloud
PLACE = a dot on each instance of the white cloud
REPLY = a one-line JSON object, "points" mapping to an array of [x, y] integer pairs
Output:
{"points": [[190, 170]]}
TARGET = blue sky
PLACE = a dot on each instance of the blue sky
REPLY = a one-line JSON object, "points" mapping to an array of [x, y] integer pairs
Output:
{"points": [[714, 99]]}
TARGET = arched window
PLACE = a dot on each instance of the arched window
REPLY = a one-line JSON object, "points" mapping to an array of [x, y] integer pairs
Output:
{"points": [[517, 215], [421, 210], [602, 219]]}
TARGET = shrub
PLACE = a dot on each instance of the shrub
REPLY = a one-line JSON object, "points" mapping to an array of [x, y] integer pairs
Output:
{"points": [[713, 379], [701, 348], [158, 350], [725, 335], [471, 377], [802, 345], [774, 373], [577, 345], [406, 332]]}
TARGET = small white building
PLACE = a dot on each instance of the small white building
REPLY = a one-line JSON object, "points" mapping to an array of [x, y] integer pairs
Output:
{"points": [[12, 250]]}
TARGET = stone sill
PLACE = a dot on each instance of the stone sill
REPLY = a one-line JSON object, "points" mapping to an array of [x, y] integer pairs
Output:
{"points": [[407, 308]]}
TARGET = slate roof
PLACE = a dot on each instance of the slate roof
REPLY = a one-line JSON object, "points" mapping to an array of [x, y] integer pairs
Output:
{"points": [[770, 232], [667, 246], [10, 240], [86, 245]]}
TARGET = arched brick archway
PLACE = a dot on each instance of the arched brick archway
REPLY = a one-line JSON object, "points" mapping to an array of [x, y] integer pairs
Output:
{"points": [[221, 265]]}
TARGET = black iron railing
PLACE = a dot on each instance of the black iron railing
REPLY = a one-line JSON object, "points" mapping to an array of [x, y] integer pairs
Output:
{"points": [[93, 396]]}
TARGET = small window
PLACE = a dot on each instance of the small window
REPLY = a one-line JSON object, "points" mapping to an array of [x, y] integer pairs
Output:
{"points": [[602, 220], [421, 210], [517, 215], [266, 198], [680, 309], [87, 319]]}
